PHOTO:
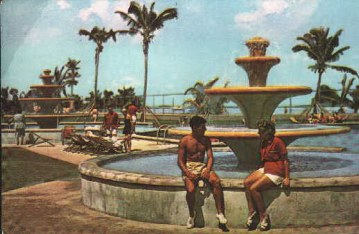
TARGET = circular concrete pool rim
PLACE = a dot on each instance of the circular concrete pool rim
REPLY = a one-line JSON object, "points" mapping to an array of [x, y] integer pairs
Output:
{"points": [[161, 199]]}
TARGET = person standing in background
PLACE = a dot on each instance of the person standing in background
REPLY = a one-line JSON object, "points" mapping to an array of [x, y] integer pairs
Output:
{"points": [[110, 122], [19, 125]]}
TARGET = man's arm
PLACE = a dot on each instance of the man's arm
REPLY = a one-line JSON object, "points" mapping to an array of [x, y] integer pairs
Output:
{"points": [[209, 152], [210, 159]]}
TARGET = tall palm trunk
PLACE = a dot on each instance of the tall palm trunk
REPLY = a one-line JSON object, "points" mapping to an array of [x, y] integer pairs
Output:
{"points": [[97, 61], [145, 52], [72, 90], [317, 92]]}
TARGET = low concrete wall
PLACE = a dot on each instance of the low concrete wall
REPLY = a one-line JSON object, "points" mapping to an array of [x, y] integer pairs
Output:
{"points": [[161, 199]]}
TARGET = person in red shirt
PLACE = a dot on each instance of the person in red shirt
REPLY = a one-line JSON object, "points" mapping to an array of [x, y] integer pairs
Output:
{"points": [[273, 171], [110, 122]]}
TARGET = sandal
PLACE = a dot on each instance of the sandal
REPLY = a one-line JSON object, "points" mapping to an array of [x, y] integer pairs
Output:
{"points": [[265, 224]]}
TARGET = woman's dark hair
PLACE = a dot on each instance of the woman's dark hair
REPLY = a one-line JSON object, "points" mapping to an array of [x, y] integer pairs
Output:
{"points": [[196, 121], [266, 126]]}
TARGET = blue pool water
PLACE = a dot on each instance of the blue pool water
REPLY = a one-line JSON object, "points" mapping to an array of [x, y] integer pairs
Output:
{"points": [[303, 164]]}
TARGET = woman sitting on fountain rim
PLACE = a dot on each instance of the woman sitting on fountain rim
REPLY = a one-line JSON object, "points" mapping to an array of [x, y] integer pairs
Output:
{"points": [[273, 171]]}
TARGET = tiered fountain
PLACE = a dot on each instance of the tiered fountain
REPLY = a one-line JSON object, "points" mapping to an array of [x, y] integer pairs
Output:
{"points": [[256, 102], [147, 186], [44, 106]]}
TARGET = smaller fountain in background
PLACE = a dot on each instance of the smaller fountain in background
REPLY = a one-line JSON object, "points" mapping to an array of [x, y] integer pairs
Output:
{"points": [[44, 102]]}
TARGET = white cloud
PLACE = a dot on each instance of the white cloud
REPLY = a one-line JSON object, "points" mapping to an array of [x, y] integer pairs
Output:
{"points": [[105, 11], [99, 8], [37, 35], [128, 81], [275, 18], [63, 4]]}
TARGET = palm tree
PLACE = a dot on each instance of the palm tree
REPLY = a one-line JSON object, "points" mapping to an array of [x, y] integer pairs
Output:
{"points": [[320, 47], [99, 36], [355, 99], [328, 95], [72, 73], [125, 95], [145, 22], [201, 102], [345, 91], [107, 94]]}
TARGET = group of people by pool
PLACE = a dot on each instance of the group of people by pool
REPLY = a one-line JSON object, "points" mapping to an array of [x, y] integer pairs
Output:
{"points": [[111, 123], [334, 117], [272, 171]]}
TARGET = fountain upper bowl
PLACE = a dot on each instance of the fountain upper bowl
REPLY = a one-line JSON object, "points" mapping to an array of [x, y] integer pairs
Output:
{"points": [[266, 89]]}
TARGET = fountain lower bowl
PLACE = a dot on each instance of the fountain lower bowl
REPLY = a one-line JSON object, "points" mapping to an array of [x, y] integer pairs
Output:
{"points": [[300, 130], [158, 198]]}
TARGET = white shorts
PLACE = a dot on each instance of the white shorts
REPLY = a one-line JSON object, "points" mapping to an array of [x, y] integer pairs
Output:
{"points": [[133, 118], [277, 180], [113, 131]]}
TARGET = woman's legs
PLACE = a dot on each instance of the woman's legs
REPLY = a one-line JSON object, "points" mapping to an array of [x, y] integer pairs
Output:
{"points": [[261, 184], [248, 182]]}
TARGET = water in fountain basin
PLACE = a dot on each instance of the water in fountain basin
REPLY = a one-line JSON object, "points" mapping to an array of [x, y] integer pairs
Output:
{"points": [[302, 164]]}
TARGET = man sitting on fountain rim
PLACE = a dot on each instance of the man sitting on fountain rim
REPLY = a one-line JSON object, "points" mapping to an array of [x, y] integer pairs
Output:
{"points": [[191, 153]]}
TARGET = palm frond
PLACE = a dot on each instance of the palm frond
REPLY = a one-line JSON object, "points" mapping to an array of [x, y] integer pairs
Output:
{"points": [[135, 9], [314, 68], [336, 55], [211, 83], [344, 69], [199, 84], [308, 39], [167, 14], [334, 40], [131, 22], [310, 52], [192, 91]]}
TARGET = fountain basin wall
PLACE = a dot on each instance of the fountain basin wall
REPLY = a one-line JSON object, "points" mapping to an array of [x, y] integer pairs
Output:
{"points": [[161, 199]]}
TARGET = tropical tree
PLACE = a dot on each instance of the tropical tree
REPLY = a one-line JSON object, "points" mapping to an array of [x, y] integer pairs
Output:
{"points": [[107, 96], [125, 95], [203, 103], [345, 91], [66, 76], [100, 36], [355, 97], [72, 74], [328, 95], [145, 22], [98, 101], [321, 48]]}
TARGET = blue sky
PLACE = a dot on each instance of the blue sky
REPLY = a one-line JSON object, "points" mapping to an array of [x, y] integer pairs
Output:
{"points": [[201, 44]]}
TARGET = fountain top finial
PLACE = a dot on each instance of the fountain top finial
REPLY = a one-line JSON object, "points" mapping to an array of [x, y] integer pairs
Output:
{"points": [[257, 46], [46, 71]]}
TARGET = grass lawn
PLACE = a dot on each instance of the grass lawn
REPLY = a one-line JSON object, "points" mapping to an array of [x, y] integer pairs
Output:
{"points": [[21, 168]]}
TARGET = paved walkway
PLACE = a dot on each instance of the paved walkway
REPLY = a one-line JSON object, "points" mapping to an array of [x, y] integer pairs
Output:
{"points": [[56, 207]]}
